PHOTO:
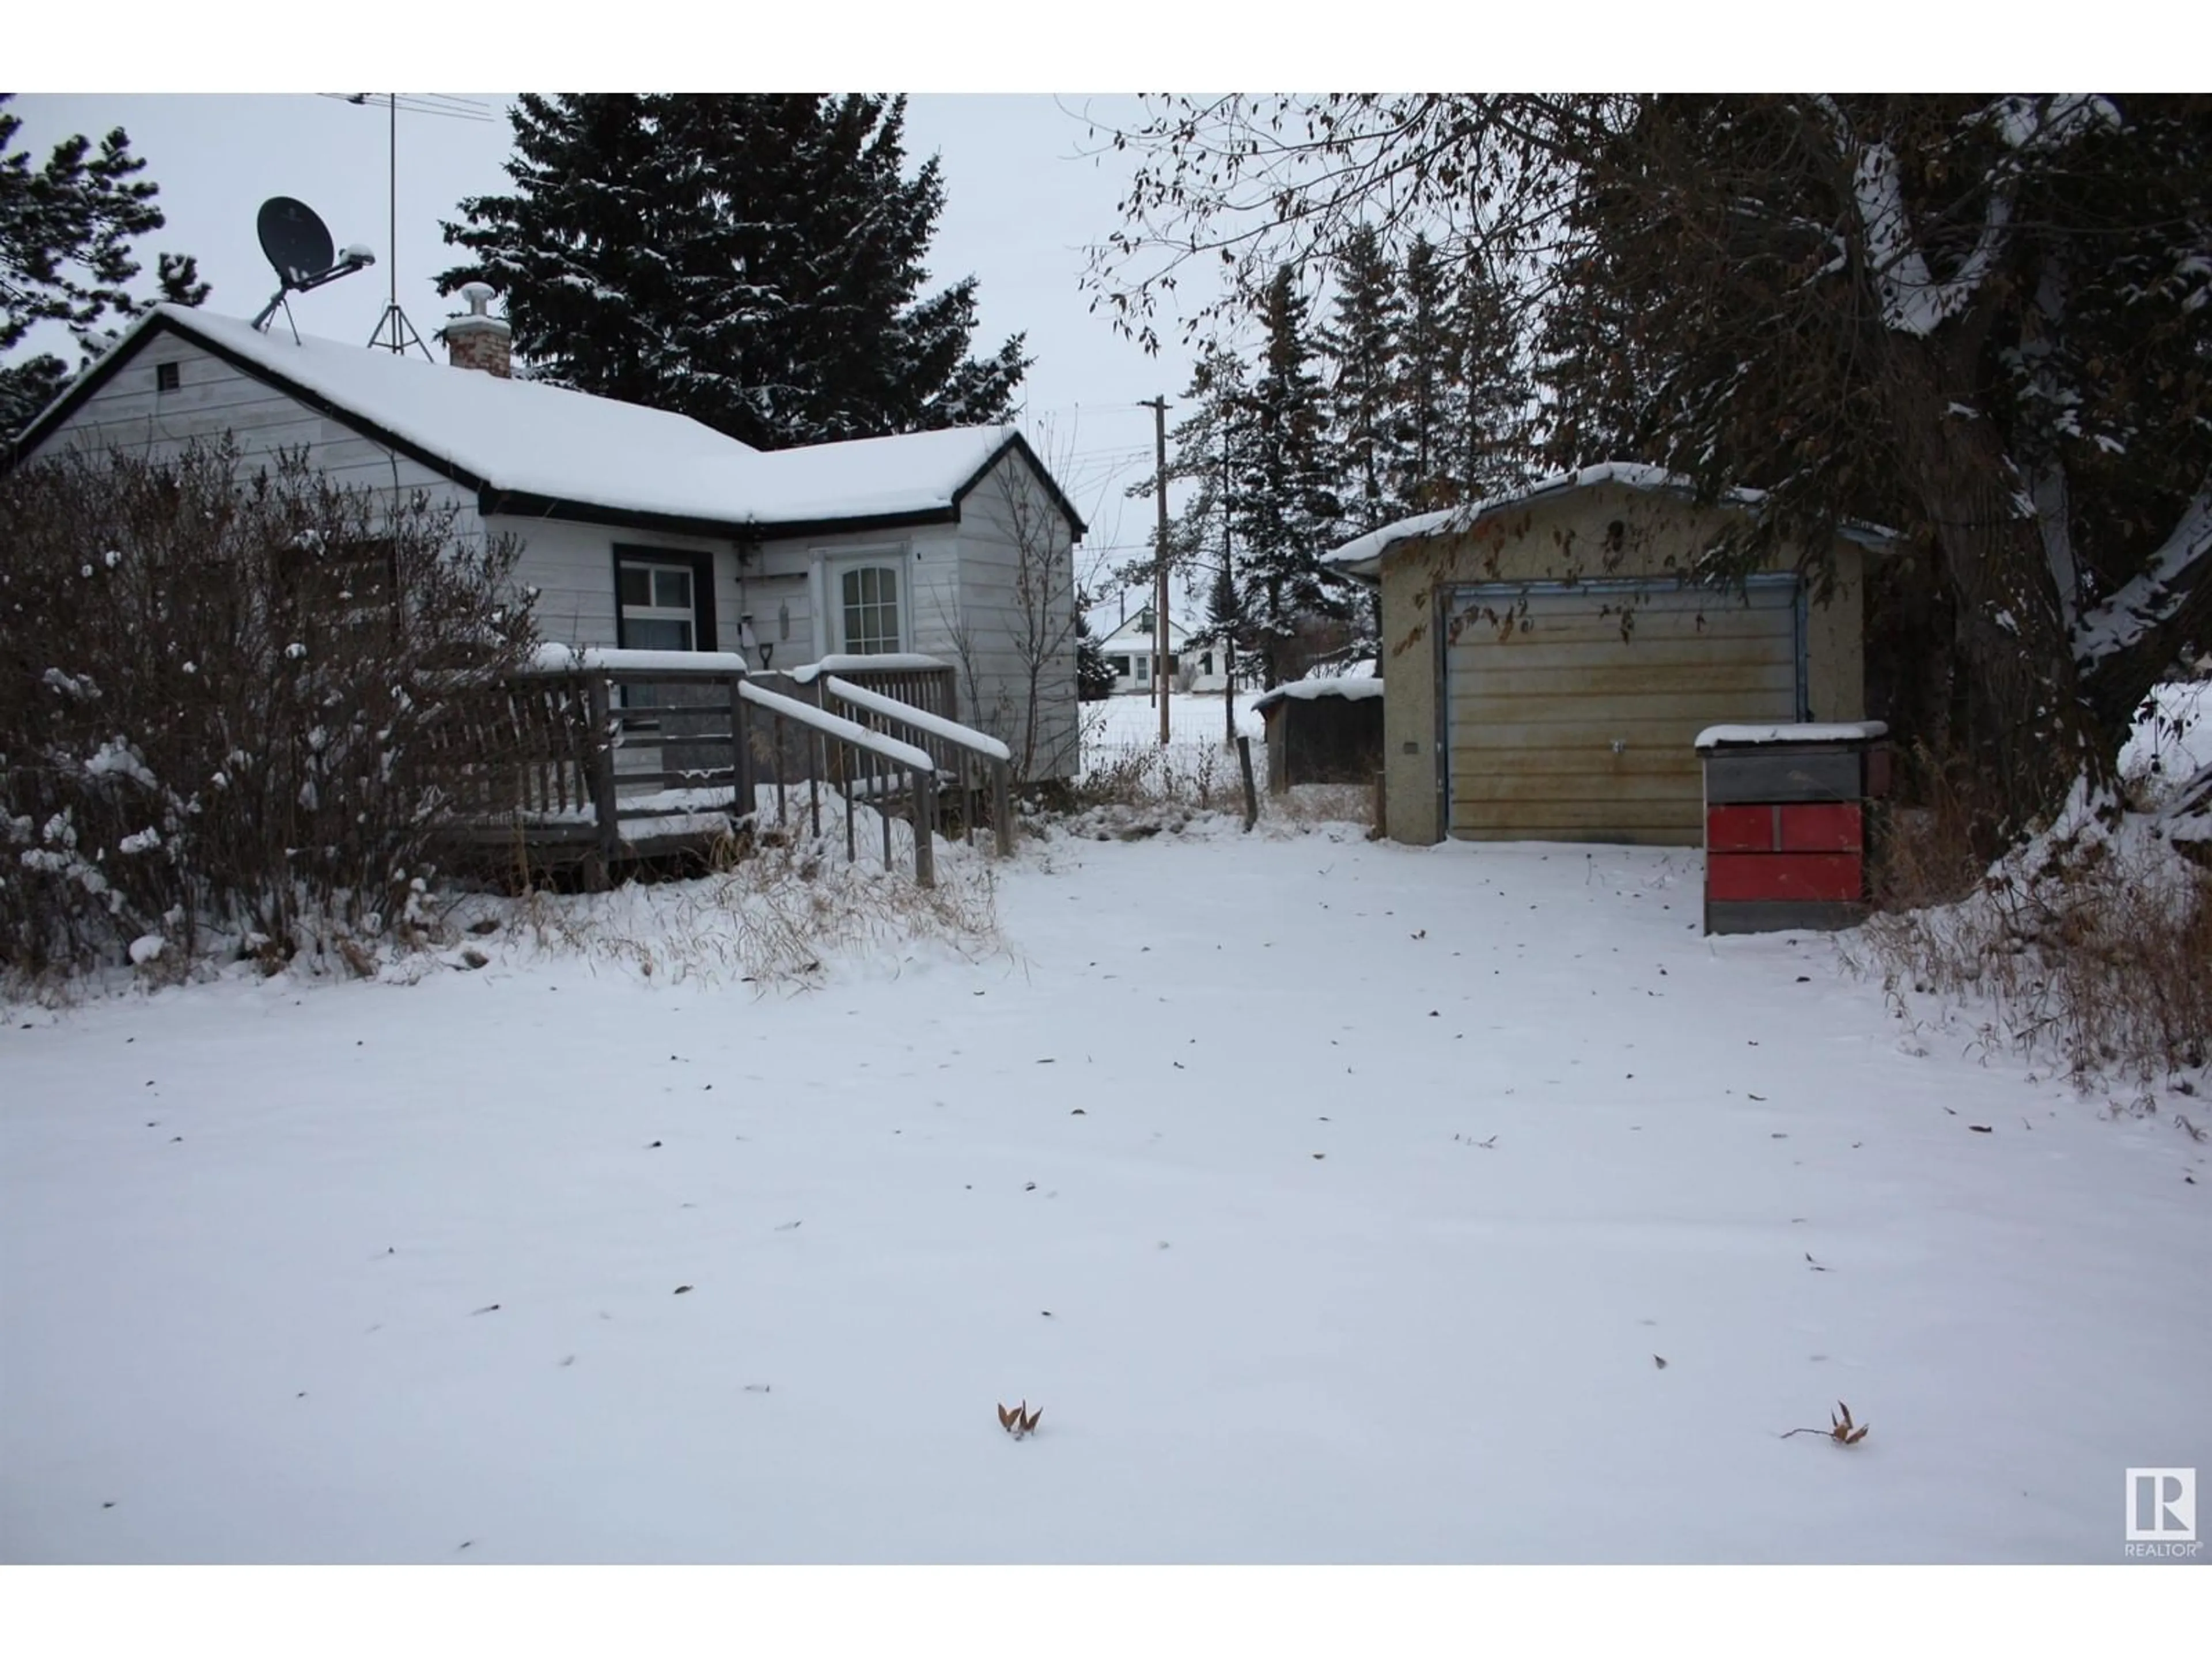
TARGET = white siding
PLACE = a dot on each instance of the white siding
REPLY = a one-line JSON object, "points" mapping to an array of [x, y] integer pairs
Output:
{"points": [[130, 413], [961, 580], [573, 567], [1005, 507]]}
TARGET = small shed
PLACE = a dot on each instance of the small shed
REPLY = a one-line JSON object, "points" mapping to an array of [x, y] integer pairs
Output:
{"points": [[1551, 658], [1325, 731]]}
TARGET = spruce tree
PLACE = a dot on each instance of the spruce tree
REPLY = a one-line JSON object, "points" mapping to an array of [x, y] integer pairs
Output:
{"points": [[1362, 346], [1287, 514], [1427, 381], [1491, 443], [754, 262], [1093, 679], [66, 230]]}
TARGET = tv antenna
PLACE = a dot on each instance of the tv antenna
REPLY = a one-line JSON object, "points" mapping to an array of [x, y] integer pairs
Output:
{"points": [[298, 244], [394, 333]]}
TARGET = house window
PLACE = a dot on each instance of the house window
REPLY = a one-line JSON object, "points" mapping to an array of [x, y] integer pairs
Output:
{"points": [[166, 377], [659, 604], [868, 603], [663, 601], [1120, 665], [342, 591]]}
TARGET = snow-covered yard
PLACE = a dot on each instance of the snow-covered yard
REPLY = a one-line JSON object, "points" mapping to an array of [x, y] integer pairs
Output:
{"points": [[1114, 727], [1366, 1204]]}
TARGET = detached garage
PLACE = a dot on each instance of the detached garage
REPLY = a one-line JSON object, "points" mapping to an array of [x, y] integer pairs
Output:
{"points": [[1548, 672]]}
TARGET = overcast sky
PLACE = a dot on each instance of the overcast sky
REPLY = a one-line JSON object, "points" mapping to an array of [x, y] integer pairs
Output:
{"points": [[1021, 207]]}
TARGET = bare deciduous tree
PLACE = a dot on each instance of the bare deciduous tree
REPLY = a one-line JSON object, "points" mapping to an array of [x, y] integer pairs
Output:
{"points": [[1018, 672]]}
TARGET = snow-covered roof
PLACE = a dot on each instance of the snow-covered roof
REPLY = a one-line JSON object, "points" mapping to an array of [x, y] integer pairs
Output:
{"points": [[1362, 555], [519, 437], [1179, 628], [1754, 737], [1340, 685]]}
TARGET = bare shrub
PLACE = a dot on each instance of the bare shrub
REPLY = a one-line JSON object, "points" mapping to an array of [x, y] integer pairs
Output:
{"points": [[227, 708], [1923, 847], [2089, 947], [1199, 777]]}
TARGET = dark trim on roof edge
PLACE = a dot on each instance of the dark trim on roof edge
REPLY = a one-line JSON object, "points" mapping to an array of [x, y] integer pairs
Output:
{"points": [[101, 372], [1058, 499], [518, 503], [524, 504]]}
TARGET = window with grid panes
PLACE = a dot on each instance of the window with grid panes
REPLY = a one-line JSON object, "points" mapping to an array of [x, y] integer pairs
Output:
{"points": [[658, 612], [870, 600]]}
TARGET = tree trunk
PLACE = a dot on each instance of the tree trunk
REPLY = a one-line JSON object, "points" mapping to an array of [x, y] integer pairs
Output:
{"points": [[2035, 734]]}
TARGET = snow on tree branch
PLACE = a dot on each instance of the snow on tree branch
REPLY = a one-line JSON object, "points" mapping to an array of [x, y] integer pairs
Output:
{"points": [[2153, 597], [1912, 301]]}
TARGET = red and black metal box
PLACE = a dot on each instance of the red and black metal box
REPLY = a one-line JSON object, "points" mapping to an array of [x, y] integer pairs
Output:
{"points": [[1785, 824]]}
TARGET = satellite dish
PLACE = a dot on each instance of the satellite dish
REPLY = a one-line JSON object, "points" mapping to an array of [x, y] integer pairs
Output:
{"points": [[298, 244], [295, 238]]}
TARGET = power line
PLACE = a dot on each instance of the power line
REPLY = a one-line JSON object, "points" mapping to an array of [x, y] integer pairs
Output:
{"points": [[458, 109]]}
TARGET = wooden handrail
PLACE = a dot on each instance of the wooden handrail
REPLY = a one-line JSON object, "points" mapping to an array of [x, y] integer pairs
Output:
{"points": [[995, 758], [540, 755]]}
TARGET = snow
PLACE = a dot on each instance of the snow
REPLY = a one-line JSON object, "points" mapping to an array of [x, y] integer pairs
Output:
{"points": [[1336, 686], [891, 660], [920, 719], [520, 435], [1362, 555], [806, 713], [552, 659], [1722, 737], [2170, 742], [2152, 596], [1340, 1210], [1127, 721]]}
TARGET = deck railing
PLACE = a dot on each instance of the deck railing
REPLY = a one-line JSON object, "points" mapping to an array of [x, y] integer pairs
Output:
{"points": [[597, 756], [854, 766], [925, 683], [976, 760]]}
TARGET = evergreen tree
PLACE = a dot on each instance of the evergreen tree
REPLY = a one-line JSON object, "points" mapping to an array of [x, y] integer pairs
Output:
{"points": [[1427, 381], [1287, 514], [1225, 618], [752, 261], [66, 231], [1362, 345], [1492, 444], [1093, 678]]}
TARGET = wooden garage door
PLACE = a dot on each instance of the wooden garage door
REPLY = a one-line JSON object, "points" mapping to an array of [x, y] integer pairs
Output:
{"points": [[1569, 712]]}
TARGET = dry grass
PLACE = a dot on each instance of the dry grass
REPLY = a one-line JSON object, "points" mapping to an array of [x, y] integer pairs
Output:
{"points": [[2090, 949], [1198, 777], [775, 918]]}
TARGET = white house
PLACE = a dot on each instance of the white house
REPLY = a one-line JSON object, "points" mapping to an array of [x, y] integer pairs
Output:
{"points": [[1129, 649], [642, 528]]}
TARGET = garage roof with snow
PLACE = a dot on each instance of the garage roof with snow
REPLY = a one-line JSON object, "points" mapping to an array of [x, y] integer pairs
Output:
{"points": [[1362, 555]]}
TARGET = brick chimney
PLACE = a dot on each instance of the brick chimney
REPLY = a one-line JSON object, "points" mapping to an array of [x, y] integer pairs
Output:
{"points": [[479, 340]]}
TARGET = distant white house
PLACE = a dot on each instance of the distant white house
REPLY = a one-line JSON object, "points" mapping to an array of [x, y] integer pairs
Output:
{"points": [[642, 528], [1129, 649]]}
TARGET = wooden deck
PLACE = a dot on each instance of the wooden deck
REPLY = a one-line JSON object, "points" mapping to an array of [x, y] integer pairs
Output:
{"points": [[591, 764]]}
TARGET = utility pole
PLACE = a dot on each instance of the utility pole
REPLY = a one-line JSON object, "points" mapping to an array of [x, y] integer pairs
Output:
{"points": [[1159, 408], [1229, 585]]}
